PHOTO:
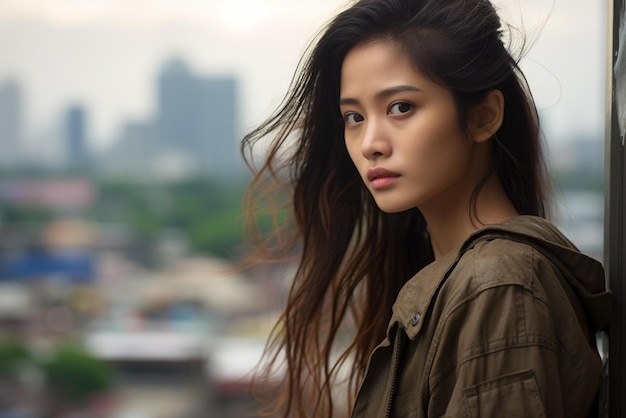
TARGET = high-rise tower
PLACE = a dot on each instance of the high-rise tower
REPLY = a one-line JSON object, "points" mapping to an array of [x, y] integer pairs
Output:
{"points": [[10, 123], [197, 119], [76, 137]]}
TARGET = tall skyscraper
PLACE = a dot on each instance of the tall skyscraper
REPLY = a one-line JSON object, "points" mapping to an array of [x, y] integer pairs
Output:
{"points": [[135, 153], [197, 118], [10, 123], [76, 137]]}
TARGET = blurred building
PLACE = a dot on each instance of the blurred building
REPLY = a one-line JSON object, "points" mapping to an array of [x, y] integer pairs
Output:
{"points": [[194, 130], [76, 137], [33, 236], [196, 119], [11, 109], [579, 153], [134, 152], [62, 196]]}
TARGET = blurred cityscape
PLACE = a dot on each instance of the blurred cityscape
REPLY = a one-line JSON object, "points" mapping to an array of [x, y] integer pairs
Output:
{"points": [[118, 296]]}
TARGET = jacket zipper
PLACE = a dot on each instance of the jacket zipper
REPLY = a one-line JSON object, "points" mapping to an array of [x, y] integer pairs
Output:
{"points": [[394, 371]]}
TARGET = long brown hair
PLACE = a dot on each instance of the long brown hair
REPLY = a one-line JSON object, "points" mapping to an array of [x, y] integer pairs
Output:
{"points": [[352, 257]]}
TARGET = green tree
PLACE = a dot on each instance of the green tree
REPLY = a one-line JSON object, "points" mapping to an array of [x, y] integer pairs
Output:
{"points": [[73, 376]]}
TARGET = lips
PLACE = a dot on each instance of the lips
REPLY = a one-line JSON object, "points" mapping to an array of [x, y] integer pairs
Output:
{"points": [[381, 179], [379, 173]]}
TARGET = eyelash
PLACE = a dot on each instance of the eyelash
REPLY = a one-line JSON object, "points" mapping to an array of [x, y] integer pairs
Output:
{"points": [[410, 107], [348, 115]]}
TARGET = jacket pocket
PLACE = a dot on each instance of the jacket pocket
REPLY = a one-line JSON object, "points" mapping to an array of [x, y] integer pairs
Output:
{"points": [[512, 395]]}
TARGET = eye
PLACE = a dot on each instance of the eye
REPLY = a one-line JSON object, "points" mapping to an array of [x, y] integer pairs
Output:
{"points": [[400, 108], [352, 118]]}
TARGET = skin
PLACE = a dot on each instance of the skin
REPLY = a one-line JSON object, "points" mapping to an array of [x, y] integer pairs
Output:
{"points": [[402, 133]]}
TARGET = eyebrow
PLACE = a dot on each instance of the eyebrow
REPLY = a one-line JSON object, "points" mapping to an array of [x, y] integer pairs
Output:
{"points": [[381, 94]]}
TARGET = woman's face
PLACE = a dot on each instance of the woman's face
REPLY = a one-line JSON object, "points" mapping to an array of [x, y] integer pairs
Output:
{"points": [[402, 131]]}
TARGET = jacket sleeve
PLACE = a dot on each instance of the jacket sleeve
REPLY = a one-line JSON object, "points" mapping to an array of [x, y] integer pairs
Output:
{"points": [[497, 356]]}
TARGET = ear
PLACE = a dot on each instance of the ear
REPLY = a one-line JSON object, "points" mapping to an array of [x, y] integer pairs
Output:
{"points": [[486, 117]]}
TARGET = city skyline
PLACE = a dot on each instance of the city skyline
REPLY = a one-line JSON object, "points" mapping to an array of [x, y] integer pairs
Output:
{"points": [[107, 58], [193, 131]]}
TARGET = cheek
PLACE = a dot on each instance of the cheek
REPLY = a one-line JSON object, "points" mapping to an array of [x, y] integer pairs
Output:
{"points": [[443, 152]]}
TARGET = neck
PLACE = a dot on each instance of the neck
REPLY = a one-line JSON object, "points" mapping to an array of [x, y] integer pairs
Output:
{"points": [[449, 225]]}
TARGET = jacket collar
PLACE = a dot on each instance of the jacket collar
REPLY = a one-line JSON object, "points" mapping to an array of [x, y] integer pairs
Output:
{"points": [[584, 274], [415, 297]]}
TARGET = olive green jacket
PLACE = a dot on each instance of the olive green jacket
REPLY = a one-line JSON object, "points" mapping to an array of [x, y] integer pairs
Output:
{"points": [[503, 327]]}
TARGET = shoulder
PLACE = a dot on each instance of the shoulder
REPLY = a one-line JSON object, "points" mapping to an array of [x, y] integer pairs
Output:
{"points": [[499, 262]]}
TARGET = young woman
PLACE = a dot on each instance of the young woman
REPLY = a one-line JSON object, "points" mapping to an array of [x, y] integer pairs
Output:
{"points": [[429, 283]]}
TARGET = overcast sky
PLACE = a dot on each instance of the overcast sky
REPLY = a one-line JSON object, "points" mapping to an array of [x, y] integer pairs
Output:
{"points": [[106, 54]]}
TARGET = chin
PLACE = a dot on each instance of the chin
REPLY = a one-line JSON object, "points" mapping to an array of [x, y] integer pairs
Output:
{"points": [[393, 208]]}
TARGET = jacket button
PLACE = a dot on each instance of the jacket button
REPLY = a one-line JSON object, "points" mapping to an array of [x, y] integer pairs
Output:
{"points": [[415, 319]]}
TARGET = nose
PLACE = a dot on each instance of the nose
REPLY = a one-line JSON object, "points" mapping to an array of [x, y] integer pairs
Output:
{"points": [[375, 142]]}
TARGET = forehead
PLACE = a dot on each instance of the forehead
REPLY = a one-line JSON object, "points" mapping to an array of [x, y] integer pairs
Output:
{"points": [[377, 64]]}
